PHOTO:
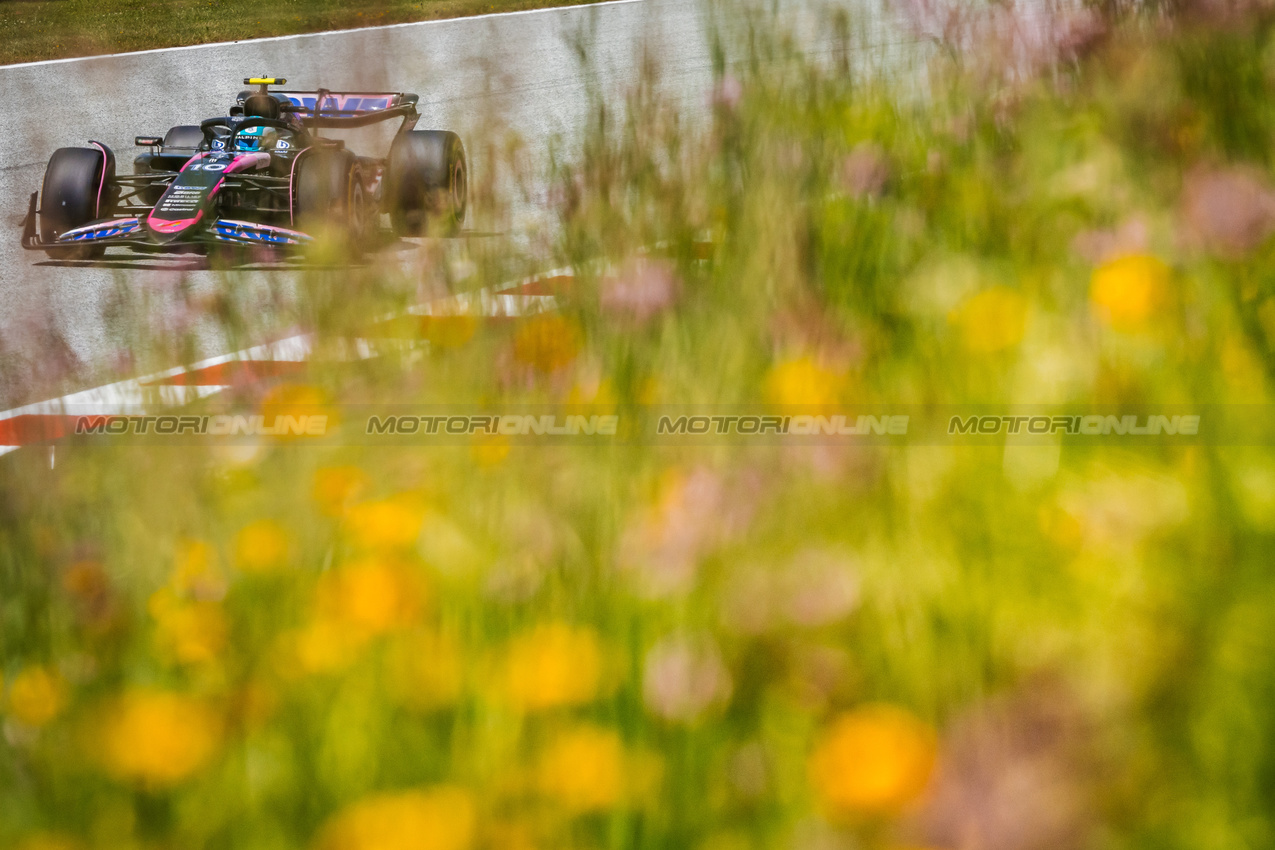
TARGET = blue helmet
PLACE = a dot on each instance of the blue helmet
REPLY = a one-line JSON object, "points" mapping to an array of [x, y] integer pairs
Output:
{"points": [[256, 139]]}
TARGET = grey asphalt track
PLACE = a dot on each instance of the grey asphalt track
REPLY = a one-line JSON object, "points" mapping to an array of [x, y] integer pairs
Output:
{"points": [[59, 325]]}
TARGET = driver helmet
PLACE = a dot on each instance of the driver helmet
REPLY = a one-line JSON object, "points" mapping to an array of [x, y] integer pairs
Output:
{"points": [[256, 139]]}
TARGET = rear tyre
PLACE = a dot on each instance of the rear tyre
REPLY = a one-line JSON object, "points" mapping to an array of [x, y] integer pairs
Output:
{"points": [[75, 191], [330, 200], [427, 183]]}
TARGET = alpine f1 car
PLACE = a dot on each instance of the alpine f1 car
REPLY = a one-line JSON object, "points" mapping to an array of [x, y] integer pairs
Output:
{"points": [[263, 175]]}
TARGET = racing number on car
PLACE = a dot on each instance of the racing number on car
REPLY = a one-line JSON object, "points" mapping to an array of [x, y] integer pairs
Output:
{"points": [[207, 166]]}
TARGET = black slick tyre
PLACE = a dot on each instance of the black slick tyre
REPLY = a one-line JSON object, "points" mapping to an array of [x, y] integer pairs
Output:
{"points": [[75, 192], [427, 183], [329, 199]]}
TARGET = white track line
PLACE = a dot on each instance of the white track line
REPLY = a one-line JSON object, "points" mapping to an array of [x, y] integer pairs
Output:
{"points": [[317, 34]]}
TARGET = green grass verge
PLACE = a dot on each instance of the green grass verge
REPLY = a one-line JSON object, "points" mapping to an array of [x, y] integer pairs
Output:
{"points": [[32, 30]]}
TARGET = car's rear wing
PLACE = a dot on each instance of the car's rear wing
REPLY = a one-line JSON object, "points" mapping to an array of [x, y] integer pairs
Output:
{"points": [[338, 109], [344, 103], [339, 103]]}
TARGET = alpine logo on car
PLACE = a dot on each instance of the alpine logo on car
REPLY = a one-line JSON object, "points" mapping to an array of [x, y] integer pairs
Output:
{"points": [[262, 174]]}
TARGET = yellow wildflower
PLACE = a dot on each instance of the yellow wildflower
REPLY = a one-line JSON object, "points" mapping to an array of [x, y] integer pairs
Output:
{"points": [[992, 320], [261, 546], [803, 382], [336, 487], [874, 760], [371, 596], [387, 523], [156, 737], [36, 696], [553, 665], [1126, 291], [437, 819], [583, 769]]}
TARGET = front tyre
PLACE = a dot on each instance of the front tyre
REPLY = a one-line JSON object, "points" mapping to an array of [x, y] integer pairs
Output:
{"points": [[76, 190], [427, 183]]}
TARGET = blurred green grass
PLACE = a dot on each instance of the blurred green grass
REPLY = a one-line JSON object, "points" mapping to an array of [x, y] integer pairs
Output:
{"points": [[34, 30], [493, 645]]}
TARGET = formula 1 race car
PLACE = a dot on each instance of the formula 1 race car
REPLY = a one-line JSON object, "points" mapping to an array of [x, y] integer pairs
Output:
{"points": [[262, 175]]}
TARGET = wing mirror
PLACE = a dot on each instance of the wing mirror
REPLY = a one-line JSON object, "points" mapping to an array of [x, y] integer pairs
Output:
{"points": [[148, 141]]}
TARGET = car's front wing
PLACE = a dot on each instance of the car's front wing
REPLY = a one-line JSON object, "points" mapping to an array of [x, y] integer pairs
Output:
{"points": [[130, 232]]}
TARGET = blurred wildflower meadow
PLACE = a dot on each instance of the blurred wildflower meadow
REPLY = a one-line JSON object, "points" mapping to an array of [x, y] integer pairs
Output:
{"points": [[497, 646]]}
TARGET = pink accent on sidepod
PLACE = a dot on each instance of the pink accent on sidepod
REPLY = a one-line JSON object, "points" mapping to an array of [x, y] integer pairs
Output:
{"points": [[241, 162]]}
